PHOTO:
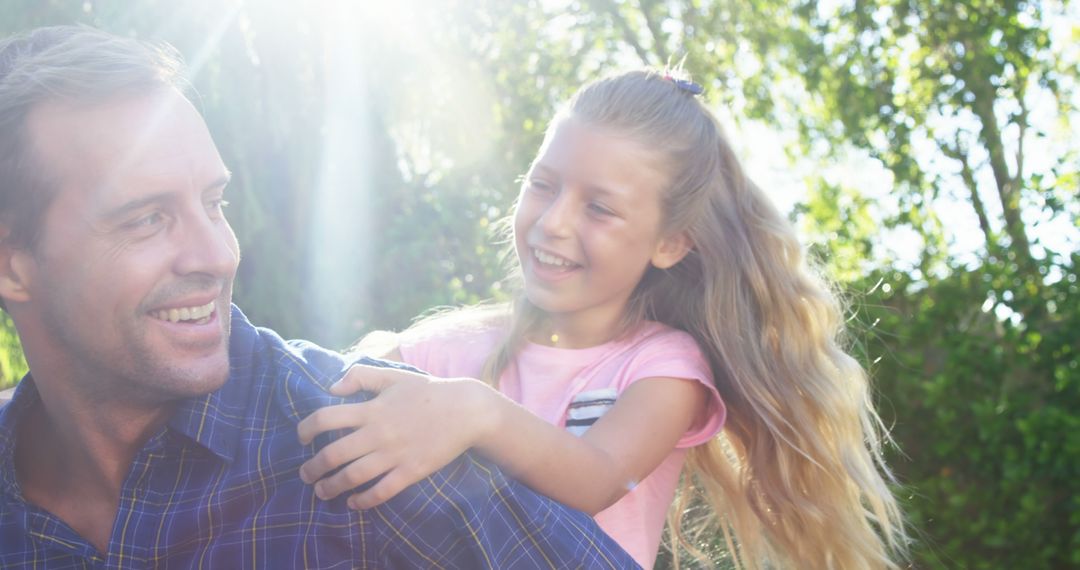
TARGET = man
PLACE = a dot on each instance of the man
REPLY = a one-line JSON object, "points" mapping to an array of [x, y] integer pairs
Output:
{"points": [[157, 427]]}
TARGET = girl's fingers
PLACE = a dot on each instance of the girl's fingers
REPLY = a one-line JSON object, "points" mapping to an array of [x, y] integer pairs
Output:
{"points": [[411, 428], [348, 448], [361, 377], [354, 474], [385, 489], [330, 418]]}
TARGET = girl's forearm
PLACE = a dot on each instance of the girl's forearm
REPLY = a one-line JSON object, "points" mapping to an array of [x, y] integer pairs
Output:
{"points": [[545, 457]]}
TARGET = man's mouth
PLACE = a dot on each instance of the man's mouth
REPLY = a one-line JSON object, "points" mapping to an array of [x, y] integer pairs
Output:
{"points": [[196, 315]]}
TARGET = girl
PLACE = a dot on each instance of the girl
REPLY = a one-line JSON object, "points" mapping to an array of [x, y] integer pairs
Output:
{"points": [[657, 285]]}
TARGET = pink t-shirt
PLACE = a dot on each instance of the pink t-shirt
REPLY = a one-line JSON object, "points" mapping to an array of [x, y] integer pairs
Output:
{"points": [[573, 387]]}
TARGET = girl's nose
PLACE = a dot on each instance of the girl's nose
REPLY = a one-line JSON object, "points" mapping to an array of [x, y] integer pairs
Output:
{"points": [[557, 218]]}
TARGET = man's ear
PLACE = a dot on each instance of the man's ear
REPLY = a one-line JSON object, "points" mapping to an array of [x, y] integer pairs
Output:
{"points": [[671, 250], [16, 269]]}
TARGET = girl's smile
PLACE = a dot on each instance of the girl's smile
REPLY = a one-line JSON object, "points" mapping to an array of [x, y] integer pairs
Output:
{"points": [[548, 266]]}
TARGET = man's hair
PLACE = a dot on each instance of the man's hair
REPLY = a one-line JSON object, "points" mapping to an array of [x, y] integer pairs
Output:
{"points": [[66, 64]]}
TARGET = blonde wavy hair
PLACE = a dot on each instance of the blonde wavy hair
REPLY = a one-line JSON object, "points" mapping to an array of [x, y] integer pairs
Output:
{"points": [[797, 478]]}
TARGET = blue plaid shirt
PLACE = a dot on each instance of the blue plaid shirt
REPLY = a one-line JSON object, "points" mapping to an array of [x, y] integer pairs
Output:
{"points": [[218, 487]]}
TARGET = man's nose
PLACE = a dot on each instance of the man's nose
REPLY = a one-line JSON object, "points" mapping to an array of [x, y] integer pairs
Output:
{"points": [[207, 245]]}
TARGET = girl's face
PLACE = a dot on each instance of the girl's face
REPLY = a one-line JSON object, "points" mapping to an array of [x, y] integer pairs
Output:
{"points": [[588, 224]]}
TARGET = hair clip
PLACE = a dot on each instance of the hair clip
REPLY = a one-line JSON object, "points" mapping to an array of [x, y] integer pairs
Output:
{"points": [[686, 85]]}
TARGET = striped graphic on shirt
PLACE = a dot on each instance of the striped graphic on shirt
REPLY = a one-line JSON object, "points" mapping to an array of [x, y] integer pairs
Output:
{"points": [[587, 407]]}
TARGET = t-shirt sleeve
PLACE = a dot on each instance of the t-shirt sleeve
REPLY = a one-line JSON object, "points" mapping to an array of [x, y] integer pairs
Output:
{"points": [[448, 352], [675, 354], [429, 352], [414, 351]]}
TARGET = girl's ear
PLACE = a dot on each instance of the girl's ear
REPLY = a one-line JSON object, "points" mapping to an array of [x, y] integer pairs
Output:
{"points": [[671, 250], [16, 269]]}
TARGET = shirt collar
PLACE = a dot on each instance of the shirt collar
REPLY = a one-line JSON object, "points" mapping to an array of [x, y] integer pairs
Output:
{"points": [[215, 420], [25, 396]]}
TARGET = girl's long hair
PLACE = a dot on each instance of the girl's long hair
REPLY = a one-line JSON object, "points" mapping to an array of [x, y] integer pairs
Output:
{"points": [[797, 478]]}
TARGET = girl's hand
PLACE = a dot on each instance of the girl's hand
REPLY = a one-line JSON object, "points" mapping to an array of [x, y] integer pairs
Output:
{"points": [[414, 426]]}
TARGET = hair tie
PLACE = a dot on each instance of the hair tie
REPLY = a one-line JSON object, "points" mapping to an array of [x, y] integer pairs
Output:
{"points": [[685, 85]]}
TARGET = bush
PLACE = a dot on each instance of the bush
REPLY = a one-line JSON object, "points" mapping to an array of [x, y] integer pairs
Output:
{"points": [[978, 372]]}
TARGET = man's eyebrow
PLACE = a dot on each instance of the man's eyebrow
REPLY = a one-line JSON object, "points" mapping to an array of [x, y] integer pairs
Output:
{"points": [[220, 182], [140, 203]]}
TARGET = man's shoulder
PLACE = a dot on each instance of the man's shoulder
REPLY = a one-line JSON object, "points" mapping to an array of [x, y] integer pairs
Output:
{"points": [[305, 371], [298, 373], [5, 396]]}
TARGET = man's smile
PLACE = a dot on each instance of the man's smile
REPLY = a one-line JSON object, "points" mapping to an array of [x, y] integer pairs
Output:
{"points": [[199, 315]]}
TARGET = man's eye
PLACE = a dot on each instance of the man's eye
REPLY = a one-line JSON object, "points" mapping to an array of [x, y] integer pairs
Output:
{"points": [[148, 220], [218, 205]]}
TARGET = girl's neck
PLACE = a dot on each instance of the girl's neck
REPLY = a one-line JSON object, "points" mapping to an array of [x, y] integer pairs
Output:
{"points": [[579, 331]]}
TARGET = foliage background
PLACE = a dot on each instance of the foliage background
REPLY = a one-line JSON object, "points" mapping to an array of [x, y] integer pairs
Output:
{"points": [[930, 147]]}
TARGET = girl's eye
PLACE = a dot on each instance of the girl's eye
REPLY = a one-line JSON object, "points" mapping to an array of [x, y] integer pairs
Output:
{"points": [[539, 186], [600, 209]]}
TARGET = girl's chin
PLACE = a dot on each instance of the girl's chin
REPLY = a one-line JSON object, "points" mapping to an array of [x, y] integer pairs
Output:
{"points": [[543, 300]]}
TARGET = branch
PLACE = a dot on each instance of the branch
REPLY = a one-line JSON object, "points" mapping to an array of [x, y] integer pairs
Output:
{"points": [[957, 152], [1022, 122], [654, 29], [628, 34]]}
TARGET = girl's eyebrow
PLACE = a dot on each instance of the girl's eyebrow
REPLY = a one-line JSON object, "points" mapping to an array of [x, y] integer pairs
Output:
{"points": [[617, 193], [596, 189], [540, 166], [604, 190]]}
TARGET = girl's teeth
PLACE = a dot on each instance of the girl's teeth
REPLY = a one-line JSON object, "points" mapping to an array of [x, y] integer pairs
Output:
{"points": [[549, 259]]}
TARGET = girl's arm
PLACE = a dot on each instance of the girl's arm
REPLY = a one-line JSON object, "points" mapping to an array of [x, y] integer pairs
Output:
{"points": [[417, 424]]}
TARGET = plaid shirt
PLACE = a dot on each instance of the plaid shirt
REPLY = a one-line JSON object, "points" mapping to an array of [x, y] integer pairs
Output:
{"points": [[218, 487]]}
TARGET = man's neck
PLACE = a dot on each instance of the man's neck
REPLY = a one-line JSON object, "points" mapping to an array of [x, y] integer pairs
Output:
{"points": [[73, 456]]}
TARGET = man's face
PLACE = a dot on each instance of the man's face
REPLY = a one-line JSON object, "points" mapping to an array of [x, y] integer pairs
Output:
{"points": [[130, 282]]}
